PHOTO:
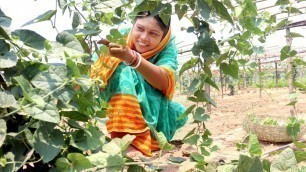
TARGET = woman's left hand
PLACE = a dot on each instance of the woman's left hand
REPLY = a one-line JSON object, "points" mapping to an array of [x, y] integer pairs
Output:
{"points": [[122, 52]]}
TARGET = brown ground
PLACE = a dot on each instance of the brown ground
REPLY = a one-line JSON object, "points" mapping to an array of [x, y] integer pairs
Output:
{"points": [[226, 120]]}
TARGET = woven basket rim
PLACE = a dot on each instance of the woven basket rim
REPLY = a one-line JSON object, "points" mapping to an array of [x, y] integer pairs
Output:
{"points": [[271, 133]]}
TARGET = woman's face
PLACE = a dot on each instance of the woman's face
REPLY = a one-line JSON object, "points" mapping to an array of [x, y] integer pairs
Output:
{"points": [[146, 34]]}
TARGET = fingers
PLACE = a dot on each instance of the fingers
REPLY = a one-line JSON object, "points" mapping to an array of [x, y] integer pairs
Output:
{"points": [[116, 48], [103, 41]]}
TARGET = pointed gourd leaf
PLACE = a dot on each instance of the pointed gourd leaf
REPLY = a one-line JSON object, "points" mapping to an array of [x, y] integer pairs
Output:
{"points": [[8, 60], [7, 100], [87, 139], [162, 140], [76, 20], [282, 2], [249, 164], [285, 161], [70, 41], [2, 131], [230, 69], [180, 10], [125, 141], [104, 159], [192, 139], [4, 34], [63, 164], [186, 112], [205, 9], [48, 112], [254, 146], [5, 21], [48, 143], [50, 79], [43, 17], [30, 38], [300, 156], [78, 162], [188, 65], [222, 11], [4, 47], [295, 35], [193, 86]]}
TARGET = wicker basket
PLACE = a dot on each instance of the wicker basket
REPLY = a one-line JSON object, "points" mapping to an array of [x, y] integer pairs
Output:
{"points": [[270, 133]]}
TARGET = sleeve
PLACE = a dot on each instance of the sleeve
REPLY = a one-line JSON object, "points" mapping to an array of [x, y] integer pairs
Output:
{"points": [[168, 61]]}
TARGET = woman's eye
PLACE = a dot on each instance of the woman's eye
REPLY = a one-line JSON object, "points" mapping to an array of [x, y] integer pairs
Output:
{"points": [[139, 28], [154, 34]]}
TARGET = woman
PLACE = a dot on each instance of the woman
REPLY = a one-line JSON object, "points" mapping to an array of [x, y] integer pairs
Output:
{"points": [[140, 80]]}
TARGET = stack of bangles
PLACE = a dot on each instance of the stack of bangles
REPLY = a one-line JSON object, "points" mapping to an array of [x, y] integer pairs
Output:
{"points": [[134, 64]]}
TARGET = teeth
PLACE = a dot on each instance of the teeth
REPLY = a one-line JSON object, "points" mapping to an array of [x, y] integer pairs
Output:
{"points": [[142, 44]]}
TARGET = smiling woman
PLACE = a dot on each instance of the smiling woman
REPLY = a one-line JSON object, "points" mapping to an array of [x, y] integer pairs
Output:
{"points": [[140, 89]]}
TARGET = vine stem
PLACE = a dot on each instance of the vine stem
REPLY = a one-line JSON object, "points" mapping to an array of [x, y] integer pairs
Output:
{"points": [[28, 105]]}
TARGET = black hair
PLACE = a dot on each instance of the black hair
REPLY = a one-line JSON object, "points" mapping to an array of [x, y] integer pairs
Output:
{"points": [[163, 26]]}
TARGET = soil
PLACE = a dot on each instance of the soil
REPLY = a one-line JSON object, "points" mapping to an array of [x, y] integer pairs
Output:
{"points": [[226, 121]]}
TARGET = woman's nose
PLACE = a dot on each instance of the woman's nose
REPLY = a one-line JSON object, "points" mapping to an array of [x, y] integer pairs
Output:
{"points": [[144, 36]]}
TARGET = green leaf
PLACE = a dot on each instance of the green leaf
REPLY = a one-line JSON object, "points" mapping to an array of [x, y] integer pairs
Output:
{"points": [[76, 20], [75, 115], [135, 168], [30, 38], [284, 161], [50, 79], [248, 164], [124, 142], [104, 159], [222, 11], [48, 112], [43, 17], [300, 156], [2, 131], [4, 47], [48, 142], [186, 112], [87, 139], [204, 9], [299, 85], [208, 46], [282, 2], [176, 159], [188, 65], [78, 162], [200, 116], [3, 33], [7, 100], [211, 82], [192, 139], [299, 145], [254, 146], [70, 41], [162, 141], [231, 69], [293, 129], [5, 21], [8, 60], [180, 10], [194, 85], [62, 164], [197, 157], [295, 35]]}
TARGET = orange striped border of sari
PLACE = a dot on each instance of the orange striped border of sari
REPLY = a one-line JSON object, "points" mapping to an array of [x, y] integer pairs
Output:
{"points": [[145, 143], [125, 115], [171, 81], [104, 67]]}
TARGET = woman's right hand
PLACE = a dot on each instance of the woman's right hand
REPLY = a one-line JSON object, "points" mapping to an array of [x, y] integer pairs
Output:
{"points": [[122, 52]]}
